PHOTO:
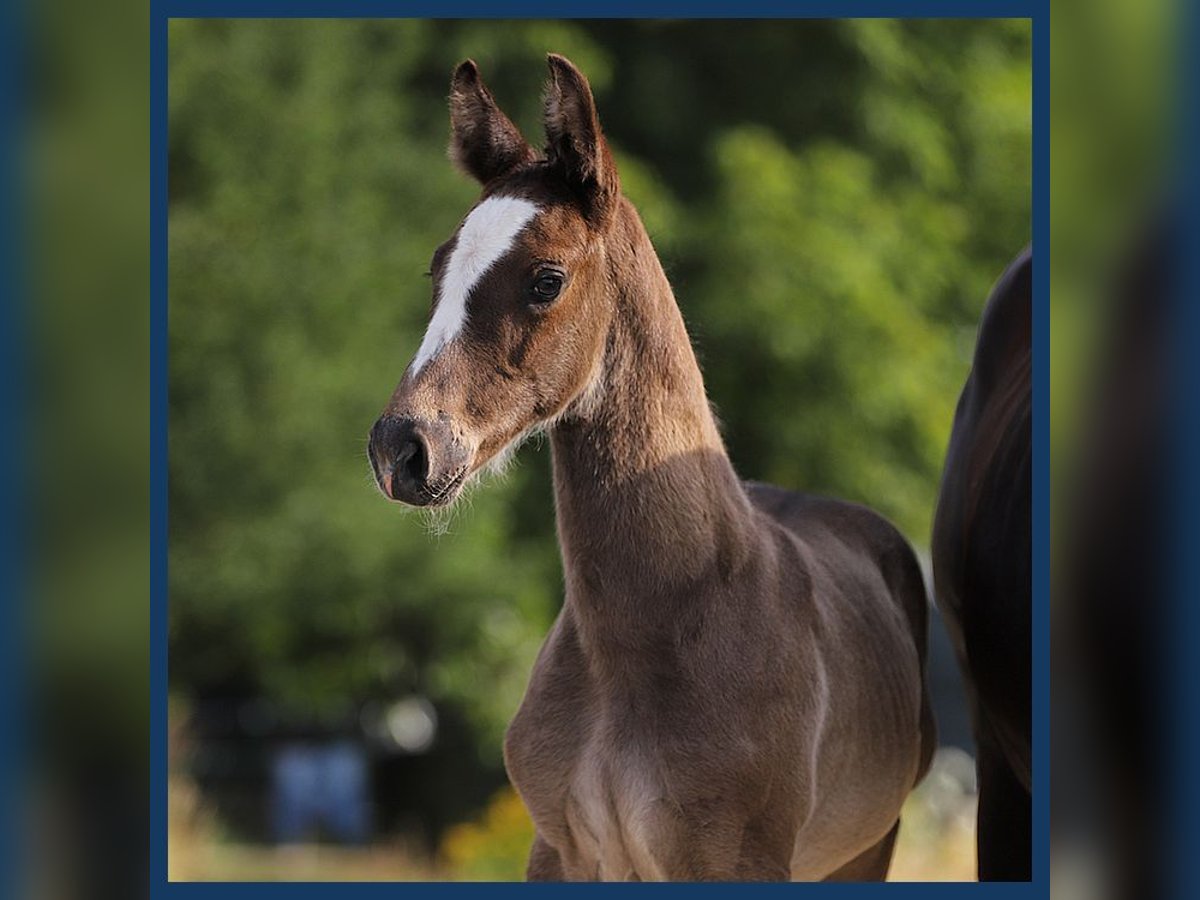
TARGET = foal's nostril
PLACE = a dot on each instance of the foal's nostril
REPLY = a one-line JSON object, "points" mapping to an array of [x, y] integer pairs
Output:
{"points": [[416, 461], [413, 460]]}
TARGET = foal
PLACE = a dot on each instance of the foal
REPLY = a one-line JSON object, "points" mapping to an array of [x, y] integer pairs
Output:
{"points": [[734, 689]]}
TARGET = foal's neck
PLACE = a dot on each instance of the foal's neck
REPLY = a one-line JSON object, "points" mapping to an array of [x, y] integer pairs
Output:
{"points": [[648, 504]]}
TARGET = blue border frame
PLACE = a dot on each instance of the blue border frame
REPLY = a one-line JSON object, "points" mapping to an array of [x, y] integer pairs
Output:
{"points": [[161, 11]]}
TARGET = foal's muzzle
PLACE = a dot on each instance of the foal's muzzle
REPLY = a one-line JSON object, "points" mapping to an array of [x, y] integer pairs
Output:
{"points": [[416, 461]]}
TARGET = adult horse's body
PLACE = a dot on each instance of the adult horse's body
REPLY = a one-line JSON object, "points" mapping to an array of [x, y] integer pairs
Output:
{"points": [[982, 567], [734, 688]]}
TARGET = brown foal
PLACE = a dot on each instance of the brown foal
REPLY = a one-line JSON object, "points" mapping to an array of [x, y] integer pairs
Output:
{"points": [[734, 688]]}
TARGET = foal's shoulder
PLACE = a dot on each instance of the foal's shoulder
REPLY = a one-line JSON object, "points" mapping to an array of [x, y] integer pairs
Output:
{"points": [[841, 530]]}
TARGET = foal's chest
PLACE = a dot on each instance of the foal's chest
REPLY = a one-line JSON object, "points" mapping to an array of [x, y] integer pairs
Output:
{"points": [[616, 812], [595, 783]]}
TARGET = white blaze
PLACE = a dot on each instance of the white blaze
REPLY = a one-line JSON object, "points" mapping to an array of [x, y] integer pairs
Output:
{"points": [[486, 235]]}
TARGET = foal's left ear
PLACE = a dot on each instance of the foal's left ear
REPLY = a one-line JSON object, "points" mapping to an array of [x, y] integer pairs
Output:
{"points": [[484, 143], [574, 142]]}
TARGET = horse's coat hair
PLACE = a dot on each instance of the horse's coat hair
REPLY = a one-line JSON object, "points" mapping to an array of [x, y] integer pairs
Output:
{"points": [[982, 567], [734, 688]]}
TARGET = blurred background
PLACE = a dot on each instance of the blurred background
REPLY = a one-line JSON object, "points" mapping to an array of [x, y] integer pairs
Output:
{"points": [[832, 201]]}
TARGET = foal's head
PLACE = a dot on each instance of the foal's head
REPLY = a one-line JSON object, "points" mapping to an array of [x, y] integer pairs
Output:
{"points": [[522, 298]]}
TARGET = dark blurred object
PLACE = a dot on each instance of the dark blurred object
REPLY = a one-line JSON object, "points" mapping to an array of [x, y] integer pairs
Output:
{"points": [[1109, 621], [982, 567], [320, 788]]}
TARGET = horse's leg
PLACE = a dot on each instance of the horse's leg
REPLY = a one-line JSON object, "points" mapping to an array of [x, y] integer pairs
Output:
{"points": [[872, 864], [1003, 832], [544, 862]]}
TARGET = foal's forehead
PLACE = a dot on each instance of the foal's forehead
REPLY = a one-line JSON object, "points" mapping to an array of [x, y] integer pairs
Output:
{"points": [[555, 214], [502, 223], [490, 229]]}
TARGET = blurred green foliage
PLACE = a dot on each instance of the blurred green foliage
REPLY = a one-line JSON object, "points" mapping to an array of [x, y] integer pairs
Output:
{"points": [[1114, 68], [84, 255], [832, 201]]}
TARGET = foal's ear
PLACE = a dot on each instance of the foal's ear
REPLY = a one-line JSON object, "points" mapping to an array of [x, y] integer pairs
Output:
{"points": [[574, 142], [483, 142]]}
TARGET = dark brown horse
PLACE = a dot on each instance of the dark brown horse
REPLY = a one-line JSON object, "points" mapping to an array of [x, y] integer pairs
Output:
{"points": [[734, 689], [982, 567]]}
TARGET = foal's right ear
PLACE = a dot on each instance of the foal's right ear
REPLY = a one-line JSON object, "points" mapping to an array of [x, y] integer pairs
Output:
{"points": [[483, 142]]}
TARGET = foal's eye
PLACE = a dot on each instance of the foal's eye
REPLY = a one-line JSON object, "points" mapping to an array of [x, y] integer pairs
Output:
{"points": [[547, 286]]}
